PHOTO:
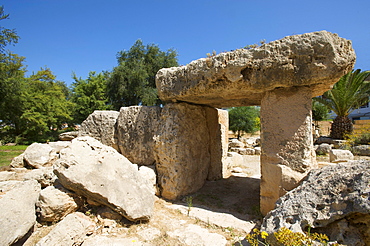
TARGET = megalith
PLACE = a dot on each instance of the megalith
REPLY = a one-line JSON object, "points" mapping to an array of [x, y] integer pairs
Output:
{"points": [[282, 76]]}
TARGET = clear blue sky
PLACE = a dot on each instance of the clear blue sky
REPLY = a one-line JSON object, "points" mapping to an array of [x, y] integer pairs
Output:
{"points": [[85, 35]]}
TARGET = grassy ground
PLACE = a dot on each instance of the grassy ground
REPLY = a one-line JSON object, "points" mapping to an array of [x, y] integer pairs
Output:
{"points": [[7, 153]]}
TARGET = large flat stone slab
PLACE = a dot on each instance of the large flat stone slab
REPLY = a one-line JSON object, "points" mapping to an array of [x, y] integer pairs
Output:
{"points": [[241, 77], [100, 173]]}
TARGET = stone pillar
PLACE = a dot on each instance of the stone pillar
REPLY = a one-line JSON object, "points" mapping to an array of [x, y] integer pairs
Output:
{"points": [[218, 126], [287, 144], [182, 149]]}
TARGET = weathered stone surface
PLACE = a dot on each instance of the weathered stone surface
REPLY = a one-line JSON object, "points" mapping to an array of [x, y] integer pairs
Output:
{"points": [[194, 235], [101, 125], [72, 230], [235, 143], [54, 204], [100, 173], [68, 136], [18, 161], [323, 149], [340, 155], [99, 240], [6, 175], [18, 215], [39, 155], [363, 150], [287, 143], [45, 176], [325, 198], [182, 149], [148, 173], [218, 127], [239, 78], [136, 127], [59, 145]]}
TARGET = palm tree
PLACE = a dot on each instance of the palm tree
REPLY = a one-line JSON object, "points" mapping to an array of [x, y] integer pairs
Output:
{"points": [[349, 93]]}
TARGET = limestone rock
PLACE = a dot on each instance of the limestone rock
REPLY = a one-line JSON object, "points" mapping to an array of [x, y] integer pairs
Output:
{"points": [[101, 125], [235, 143], [59, 145], [18, 215], [18, 161], [182, 169], [68, 136], [363, 150], [340, 155], [39, 155], [101, 174], [194, 235], [6, 176], [54, 204], [72, 230], [136, 127], [45, 176], [240, 77], [148, 173], [325, 198], [323, 149]]}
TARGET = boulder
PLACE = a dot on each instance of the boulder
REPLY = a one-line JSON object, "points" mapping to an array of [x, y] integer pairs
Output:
{"points": [[136, 127], [59, 145], [182, 149], [323, 149], [148, 173], [340, 155], [68, 136], [101, 174], [235, 143], [18, 215], [54, 204], [363, 150], [328, 198], [101, 125], [45, 176], [241, 77], [18, 161], [6, 175], [72, 230], [39, 155]]}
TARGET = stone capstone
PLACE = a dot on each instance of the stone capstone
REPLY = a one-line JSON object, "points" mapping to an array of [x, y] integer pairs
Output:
{"points": [[328, 198], [136, 127], [101, 174], [18, 215], [101, 125], [241, 77]]}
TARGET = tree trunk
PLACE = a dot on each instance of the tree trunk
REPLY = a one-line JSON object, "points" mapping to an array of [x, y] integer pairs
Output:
{"points": [[341, 126]]}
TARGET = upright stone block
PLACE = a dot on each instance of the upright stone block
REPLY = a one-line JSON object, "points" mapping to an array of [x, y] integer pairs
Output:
{"points": [[136, 127], [182, 149], [218, 125], [287, 144]]}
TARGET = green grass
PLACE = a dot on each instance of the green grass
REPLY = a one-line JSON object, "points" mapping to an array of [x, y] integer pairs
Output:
{"points": [[7, 153]]}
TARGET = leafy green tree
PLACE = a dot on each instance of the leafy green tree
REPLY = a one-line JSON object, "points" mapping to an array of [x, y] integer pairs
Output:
{"points": [[132, 82], [244, 119], [46, 107], [7, 36], [319, 111], [89, 95], [348, 94]]}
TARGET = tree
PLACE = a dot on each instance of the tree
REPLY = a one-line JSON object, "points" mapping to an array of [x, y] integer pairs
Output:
{"points": [[348, 94], [7, 36], [319, 111], [244, 119], [46, 107], [132, 82], [89, 95]]}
